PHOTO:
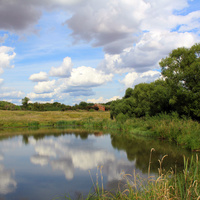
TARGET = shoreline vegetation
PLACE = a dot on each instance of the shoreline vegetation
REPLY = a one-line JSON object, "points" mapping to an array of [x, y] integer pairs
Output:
{"points": [[182, 131]]}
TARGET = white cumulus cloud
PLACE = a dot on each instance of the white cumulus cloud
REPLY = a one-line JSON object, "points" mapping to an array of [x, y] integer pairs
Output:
{"points": [[132, 79], [88, 77], [7, 54], [45, 87], [146, 54], [42, 76], [64, 70], [12, 94]]}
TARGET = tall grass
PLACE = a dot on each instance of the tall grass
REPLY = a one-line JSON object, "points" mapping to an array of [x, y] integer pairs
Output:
{"points": [[171, 185]]}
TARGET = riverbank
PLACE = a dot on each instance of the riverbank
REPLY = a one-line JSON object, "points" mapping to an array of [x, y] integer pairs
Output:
{"points": [[184, 132]]}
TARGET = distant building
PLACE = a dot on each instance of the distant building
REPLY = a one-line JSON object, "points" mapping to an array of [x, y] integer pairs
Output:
{"points": [[101, 107]]}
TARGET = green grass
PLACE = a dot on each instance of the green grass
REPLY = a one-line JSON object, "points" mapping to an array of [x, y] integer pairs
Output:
{"points": [[24, 118]]}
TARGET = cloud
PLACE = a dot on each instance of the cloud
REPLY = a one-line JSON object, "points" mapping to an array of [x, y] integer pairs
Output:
{"points": [[132, 79], [146, 54], [41, 98], [80, 83], [12, 94], [3, 38], [7, 54], [87, 77], [21, 16], [79, 91], [134, 36], [160, 15], [102, 100], [64, 70], [42, 76], [191, 22], [1, 81], [45, 87], [108, 23], [82, 80], [18, 15]]}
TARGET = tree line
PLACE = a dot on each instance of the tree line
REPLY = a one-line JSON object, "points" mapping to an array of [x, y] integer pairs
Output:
{"points": [[56, 106], [178, 89]]}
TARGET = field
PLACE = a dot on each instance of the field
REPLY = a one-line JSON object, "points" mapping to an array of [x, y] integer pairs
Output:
{"points": [[25, 118]]}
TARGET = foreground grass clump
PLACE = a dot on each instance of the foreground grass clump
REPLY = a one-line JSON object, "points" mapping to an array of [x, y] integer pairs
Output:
{"points": [[169, 185]]}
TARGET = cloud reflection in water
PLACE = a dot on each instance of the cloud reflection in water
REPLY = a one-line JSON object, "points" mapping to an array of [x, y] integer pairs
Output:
{"points": [[7, 183], [68, 155]]}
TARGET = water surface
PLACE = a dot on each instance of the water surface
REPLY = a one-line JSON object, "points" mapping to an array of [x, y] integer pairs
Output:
{"points": [[67, 163]]}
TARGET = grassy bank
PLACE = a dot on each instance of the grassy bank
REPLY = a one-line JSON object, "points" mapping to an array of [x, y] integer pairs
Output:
{"points": [[184, 132]]}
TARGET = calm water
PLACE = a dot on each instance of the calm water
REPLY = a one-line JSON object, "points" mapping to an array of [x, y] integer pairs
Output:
{"points": [[46, 166]]}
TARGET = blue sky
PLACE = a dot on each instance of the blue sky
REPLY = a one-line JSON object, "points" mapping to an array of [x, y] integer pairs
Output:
{"points": [[88, 50]]}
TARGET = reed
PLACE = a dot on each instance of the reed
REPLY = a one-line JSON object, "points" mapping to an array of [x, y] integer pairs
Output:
{"points": [[171, 185]]}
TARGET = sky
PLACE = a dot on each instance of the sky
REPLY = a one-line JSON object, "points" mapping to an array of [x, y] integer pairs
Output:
{"points": [[70, 51]]}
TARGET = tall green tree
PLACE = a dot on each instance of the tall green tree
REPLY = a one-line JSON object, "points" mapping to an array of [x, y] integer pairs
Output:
{"points": [[178, 90], [181, 71], [25, 101]]}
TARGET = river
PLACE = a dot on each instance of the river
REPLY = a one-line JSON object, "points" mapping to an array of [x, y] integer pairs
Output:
{"points": [[69, 163]]}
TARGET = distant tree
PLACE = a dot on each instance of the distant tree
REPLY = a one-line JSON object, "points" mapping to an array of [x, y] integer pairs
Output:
{"points": [[38, 106], [83, 105], [25, 101]]}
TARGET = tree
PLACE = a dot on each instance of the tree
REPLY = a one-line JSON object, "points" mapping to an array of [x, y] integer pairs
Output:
{"points": [[83, 105], [25, 101], [178, 91], [181, 71], [128, 93]]}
